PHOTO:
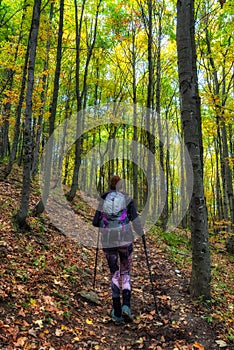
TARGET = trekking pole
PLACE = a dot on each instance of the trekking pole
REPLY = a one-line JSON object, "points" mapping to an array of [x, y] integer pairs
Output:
{"points": [[150, 274], [96, 259]]}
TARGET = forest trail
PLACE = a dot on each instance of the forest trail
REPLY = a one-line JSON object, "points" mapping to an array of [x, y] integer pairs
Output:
{"points": [[44, 273]]}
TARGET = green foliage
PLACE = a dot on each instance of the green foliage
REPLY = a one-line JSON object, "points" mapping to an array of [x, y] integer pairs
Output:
{"points": [[39, 262], [177, 244], [120, 51], [175, 239], [6, 27]]}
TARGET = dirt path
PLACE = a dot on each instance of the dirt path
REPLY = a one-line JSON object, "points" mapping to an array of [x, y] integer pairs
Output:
{"points": [[183, 326], [41, 306], [42, 274]]}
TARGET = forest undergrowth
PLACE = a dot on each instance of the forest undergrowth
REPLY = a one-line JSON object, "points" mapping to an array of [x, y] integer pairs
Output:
{"points": [[46, 279]]}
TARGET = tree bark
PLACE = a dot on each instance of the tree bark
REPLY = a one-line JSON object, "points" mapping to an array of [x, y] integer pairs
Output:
{"points": [[10, 74], [162, 137], [18, 113], [43, 100], [200, 277], [81, 94], [48, 158], [28, 149], [219, 88]]}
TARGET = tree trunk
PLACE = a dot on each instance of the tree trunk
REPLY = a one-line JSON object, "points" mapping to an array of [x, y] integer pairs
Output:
{"points": [[200, 277], [77, 160], [28, 149], [134, 91], [148, 22], [18, 114], [162, 138], [48, 158], [43, 100], [81, 95], [4, 137], [219, 89], [5, 147]]}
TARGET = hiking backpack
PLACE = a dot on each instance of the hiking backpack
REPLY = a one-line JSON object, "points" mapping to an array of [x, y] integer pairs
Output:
{"points": [[114, 219]]}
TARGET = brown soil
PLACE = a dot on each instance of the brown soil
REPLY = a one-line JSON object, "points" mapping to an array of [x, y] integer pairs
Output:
{"points": [[42, 273]]}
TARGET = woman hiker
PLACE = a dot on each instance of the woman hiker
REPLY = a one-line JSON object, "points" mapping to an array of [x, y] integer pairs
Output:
{"points": [[116, 214]]}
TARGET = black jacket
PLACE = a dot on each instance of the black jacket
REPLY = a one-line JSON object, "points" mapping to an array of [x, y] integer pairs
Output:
{"points": [[131, 213]]}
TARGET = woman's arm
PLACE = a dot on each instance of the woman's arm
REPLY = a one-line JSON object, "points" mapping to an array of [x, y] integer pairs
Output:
{"points": [[96, 218], [98, 212], [133, 216]]}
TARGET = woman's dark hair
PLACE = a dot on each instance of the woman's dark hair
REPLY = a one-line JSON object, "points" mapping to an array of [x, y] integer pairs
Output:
{"points": [[113, 181]]}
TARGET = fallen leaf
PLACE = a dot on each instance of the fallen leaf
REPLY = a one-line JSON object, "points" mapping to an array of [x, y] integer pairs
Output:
{"points": [[58, 282], [22, 313], [89, 321], [39, 323], [221, 343], [75, 339], [150, 317], [58, 332], [20, 341], [32, 332], [25, 324], [197, 346], [48, 299], [33, 302], [140, 341]]}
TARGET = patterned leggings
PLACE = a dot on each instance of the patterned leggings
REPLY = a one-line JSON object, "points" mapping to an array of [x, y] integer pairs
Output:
{"points": [[124, 254]]}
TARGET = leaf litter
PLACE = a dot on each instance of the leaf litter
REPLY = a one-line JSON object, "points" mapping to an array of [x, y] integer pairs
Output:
{"points": [[47, 301]]}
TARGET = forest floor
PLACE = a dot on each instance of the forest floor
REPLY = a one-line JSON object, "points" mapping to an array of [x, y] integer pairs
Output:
{"points": [[43, 276]]}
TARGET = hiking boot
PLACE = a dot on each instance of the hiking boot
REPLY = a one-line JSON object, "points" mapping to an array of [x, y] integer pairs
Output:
{"points": [[117, 320], [126, 313]]}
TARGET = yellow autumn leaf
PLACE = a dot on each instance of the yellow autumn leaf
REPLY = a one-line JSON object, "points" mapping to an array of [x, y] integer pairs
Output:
{"points": [[75, 339], [140, 341], [89, 321], [33, 302]]}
